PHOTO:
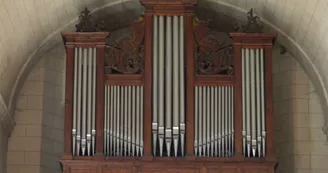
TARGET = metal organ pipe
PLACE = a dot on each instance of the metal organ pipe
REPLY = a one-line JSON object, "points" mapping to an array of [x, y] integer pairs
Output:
{"points": [[214, 134], [161, 85], [176, 100], [168, 86], [182, 84], [155, 83], [124, 120], [84, 102], [253, 103], [168, 97]]}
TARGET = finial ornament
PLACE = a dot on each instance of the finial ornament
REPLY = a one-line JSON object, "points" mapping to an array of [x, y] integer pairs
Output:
{"points": [[86, 24], [254, 24]]}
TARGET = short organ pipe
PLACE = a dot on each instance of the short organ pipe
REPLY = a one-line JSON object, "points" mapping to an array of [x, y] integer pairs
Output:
{"points": [[124, 115], [214, 121]]}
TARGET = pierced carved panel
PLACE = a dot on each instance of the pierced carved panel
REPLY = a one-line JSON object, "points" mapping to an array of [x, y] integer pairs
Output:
{"points": [[214, 53], [125, 55]]}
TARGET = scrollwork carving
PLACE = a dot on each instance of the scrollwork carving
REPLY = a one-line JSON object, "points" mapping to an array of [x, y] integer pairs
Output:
{"points": [[126, 54], [214, 55]]}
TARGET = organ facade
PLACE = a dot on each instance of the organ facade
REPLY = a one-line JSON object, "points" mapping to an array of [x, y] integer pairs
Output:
{"points": [[168, 94]]}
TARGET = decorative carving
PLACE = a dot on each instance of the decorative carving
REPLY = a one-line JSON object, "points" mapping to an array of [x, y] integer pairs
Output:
{"points": [[126, 54], [253, 25], [214, 55], [86, 23]]}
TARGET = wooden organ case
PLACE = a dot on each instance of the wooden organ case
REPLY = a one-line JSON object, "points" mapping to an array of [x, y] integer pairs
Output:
{"points": [[170, 95]]}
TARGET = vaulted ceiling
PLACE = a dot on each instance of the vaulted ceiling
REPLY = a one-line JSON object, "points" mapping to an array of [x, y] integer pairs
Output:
{"points": [[29, 28]]}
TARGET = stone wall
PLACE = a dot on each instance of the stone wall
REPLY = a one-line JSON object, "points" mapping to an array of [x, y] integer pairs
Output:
{"points": [[36, 143], [301, 145]]}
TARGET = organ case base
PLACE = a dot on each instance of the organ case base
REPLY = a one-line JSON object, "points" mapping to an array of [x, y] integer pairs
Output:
{"points": [[163, 165]]}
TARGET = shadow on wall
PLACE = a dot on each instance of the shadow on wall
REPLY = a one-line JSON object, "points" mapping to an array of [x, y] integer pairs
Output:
{"points": [[37, 141], [299, 140]]}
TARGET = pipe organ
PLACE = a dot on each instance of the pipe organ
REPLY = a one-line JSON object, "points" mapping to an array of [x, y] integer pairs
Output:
{"points": [[168, 94]]}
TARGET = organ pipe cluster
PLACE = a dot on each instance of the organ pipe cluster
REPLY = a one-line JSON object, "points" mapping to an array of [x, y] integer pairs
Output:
{"points": [[214, 121], [168, 125], [123, 126], [84, 114], [253, 101]]}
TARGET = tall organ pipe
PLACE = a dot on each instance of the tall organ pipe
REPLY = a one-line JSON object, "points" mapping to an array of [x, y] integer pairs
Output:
{"points": [[244, 98], [155, 83], [176, 100], [258, 95], [94, 70], [76, 59], [253, 103], [89, 65], [78, 88], [168, 124], [182, 84], [262, 70], [161, 85], [83, 131], [168, 86]]}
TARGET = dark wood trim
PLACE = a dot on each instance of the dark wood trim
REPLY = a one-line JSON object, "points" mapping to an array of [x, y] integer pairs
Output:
{"points": [[84, 38], [169, 8], [214, 80], [69, 99], [124, 80], [170, 166], [148, 85], [100, 100], [268, 103], [190, 77], [238, 101]]}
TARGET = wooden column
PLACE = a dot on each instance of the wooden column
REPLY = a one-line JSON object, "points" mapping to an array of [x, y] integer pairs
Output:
{"points": [[190, 77], [269, 105], [148, 85], [100, 100], [238, 100], [69, 99]]}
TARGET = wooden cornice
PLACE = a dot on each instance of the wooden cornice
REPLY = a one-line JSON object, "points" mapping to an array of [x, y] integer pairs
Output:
{"points": [[169, 7], [253, 39], [80, 39]]}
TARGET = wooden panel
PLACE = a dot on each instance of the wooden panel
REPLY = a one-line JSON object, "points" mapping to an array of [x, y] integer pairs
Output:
{"points": [[82, 170], [214, 80], [124, 79], [167, 166]]}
